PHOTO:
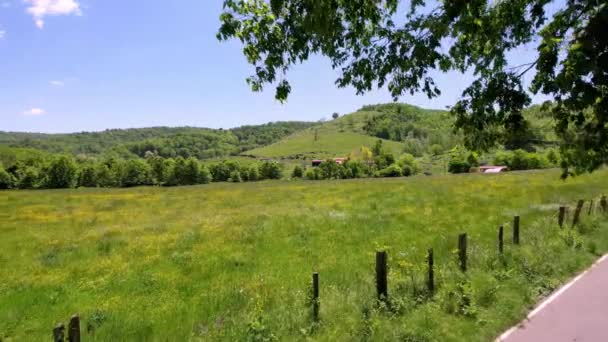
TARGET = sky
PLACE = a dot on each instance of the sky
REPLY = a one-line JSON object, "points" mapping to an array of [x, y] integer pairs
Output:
{"points": [[90, 65]]}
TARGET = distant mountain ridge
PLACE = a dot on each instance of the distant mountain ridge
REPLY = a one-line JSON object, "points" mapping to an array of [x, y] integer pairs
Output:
{"points": [[167, 141], [401, 127]]}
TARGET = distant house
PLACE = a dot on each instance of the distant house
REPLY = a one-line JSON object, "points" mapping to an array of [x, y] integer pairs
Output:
{"points": [[492, 169], [339, 161]]}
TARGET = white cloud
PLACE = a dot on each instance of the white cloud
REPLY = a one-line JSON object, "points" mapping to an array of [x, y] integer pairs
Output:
{"points": [[2, 34], [57, 83], [42, 8], [34, 112]]}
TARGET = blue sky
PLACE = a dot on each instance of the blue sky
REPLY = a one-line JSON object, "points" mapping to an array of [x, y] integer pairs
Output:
{"points": [[81, 65]]}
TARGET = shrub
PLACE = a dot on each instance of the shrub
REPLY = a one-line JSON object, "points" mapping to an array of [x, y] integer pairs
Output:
{"points": [[137, 172], [458, 166], [61, 173], [254, 173], [356, 169], [407, 171], [310, 174], [235, 177], [329, 169], [29, 178], [271, 170], [409, 161], [393, 170], [436, 149], [7, 181], [297, 172], [204, 176], [88, 176]]}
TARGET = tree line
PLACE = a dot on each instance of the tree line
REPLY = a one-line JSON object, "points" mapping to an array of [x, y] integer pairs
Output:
{"points": [[64, 171]]}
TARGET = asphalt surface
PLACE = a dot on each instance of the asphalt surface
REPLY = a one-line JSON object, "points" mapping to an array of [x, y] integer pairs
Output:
{"points": [[576, 312]]}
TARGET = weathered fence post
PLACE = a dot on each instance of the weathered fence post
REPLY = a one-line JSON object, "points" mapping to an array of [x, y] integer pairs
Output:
{"points": [[577, 212], [590, 208], [431, 283], [562, 215], [381, 275], [604, 204], [516, 230], [315, 296], [74, 329], [59, 333], [500, 239], [462, 251]]}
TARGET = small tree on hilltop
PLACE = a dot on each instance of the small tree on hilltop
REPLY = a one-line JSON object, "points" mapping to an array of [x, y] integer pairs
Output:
{"points": [[335, 115]]}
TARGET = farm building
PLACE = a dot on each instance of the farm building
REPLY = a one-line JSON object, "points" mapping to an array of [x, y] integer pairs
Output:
{"points": [[492, 169]]}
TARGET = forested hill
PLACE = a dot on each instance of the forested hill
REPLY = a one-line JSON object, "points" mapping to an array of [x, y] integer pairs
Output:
{"points": [[196, 142], [403, 128]]}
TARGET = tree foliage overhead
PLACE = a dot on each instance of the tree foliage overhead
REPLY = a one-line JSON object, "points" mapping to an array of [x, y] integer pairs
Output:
{"points": [[389, 43]]}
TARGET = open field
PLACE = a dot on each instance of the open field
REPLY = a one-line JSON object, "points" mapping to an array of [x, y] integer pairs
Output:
{"points": [[233, 261], [330, 143]]}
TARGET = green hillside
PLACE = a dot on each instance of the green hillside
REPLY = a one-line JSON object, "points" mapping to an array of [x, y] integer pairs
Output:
{"points": [[328, 143], [416, 130]]}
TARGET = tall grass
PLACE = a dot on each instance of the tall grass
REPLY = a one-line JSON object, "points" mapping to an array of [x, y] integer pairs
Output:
{"points": [[234, 261]]}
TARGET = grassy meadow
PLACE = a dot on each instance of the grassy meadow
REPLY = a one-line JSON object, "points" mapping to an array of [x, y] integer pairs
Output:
{"points": [[233, 261]]}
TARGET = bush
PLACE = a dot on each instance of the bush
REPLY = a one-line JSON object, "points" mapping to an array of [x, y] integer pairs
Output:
{"points": [[204, 176], [436, 149], [235, 177], [271, 170], [407, 171], [297, 172], [7, 181], [62, 173], [458, 166], [393, 170], [254, 173], [29, 178], [408, 161], [310, 174], [357, 168], [137, 172], [104, 176], [329, 169], [88, 176]]}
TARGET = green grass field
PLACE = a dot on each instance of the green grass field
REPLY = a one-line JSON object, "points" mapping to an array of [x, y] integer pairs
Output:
{"points": [[233, 261]]}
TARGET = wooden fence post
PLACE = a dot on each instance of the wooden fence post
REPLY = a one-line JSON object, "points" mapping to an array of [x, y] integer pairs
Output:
{"points": [[59, 333], [604, 204], [590, 208], [431, 283], [74, 329], [315, 296], [577, 212], [516, 230], [562, 215], [462, 251], [500, 239], [381, 275]]}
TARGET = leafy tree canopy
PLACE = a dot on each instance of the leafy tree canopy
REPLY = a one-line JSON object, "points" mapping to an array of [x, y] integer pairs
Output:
{"points": [[397, 44]]}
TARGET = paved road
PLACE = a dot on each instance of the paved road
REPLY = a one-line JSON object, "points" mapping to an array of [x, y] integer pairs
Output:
{"points": [[577, 312]]}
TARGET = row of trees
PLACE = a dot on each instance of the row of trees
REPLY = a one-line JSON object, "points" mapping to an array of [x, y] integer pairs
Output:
{"points": [[463, 161], [63, 171], [365, 162]]}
